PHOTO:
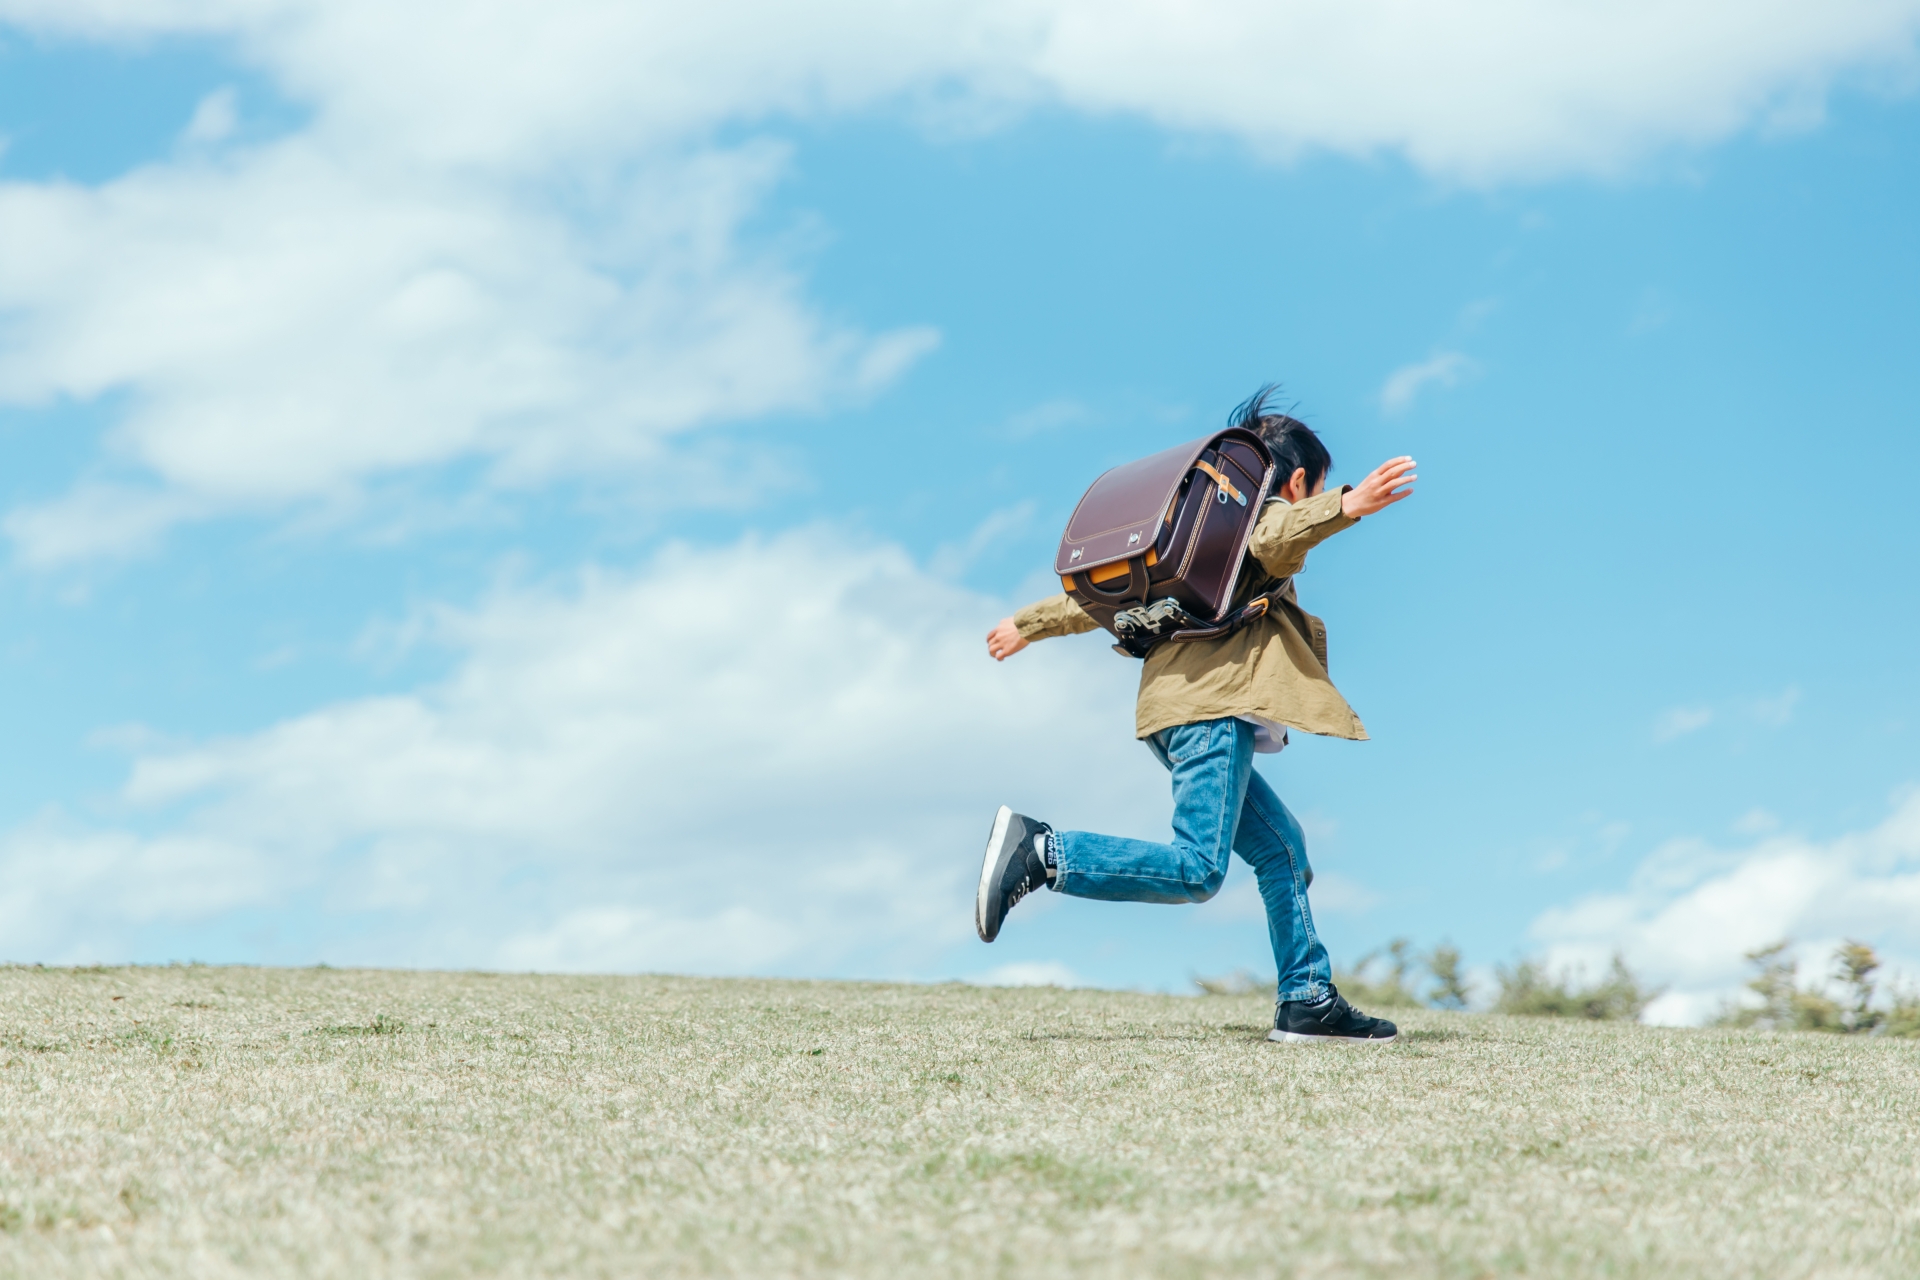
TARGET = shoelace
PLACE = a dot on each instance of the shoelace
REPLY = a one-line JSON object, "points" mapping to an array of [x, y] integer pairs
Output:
{"points": [[1021, 890]]}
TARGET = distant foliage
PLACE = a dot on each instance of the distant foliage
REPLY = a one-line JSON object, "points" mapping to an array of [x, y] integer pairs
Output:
{"points": [[1390, 978], [1241, 982], [1529, 989], [1398, 977], [1382, 979], [1787, 1005], [1449, 989], [1903, 1016]]}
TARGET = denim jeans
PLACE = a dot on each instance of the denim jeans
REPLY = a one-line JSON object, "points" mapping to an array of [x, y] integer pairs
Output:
{"points": [[1220, 805]]}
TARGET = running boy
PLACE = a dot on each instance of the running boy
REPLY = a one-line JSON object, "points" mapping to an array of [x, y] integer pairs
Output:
{"points": [[1205, 708]]}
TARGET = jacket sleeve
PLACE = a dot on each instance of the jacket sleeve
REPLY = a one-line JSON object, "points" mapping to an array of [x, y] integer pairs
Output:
{"points": [[1054, 616], [1287, 531]]}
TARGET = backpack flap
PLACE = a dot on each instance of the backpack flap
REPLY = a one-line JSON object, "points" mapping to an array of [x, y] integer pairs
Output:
{"points": [[1121, 512], [1153, 549]]}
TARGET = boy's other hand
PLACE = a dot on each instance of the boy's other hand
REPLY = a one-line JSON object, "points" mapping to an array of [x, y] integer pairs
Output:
{"points": [[1377, 491], [1005, 640]]}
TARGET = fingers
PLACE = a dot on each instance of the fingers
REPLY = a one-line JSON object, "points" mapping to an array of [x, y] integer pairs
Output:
{"points": [[1376, 493], [1388, 476], [1004, 641]]}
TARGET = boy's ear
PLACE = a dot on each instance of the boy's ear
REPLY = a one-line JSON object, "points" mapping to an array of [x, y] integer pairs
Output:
{"points": [[1295, 489]]}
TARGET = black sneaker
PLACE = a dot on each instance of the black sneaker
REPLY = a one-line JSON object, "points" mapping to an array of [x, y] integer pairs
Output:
{"points": [[1332, 1020], [1011, 870]]}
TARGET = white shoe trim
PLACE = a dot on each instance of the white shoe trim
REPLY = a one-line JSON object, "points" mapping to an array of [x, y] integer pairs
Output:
{"points": [[1296, 1037], [994, 841]]}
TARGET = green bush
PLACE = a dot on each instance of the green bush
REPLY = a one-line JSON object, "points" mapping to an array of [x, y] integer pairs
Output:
{"points": [[1528, 989], [1903, 1016], [1449, 990], [1382, 979], [1786, 1005]]}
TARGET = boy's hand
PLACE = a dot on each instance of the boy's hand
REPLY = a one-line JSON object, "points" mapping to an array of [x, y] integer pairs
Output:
{"points": [[1376, 492], [1005, 640]]}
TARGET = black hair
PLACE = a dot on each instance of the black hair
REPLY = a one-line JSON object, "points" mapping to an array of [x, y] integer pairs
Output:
{"points": [[1291, 441]]}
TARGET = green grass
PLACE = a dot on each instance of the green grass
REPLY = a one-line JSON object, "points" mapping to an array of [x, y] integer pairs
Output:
{"points": [[213, 1122]]}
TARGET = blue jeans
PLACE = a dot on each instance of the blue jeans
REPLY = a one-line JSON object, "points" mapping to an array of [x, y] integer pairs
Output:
{"points": [[1220, 805]]}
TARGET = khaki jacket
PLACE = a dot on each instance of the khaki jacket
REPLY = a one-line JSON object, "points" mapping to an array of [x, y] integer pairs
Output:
{"points": [[1273, 669]]}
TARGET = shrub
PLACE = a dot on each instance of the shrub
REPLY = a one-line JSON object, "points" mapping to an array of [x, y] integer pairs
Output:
{"points": [[1390, 989], [1382, 979], [1449, 990], [1785, 1005], [1903, 1015], [1528, 989]]}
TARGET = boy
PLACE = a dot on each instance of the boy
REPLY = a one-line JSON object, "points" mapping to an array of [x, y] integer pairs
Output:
{"points": [[1205, 708]]}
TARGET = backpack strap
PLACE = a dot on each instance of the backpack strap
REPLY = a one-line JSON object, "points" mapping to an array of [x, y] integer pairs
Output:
{"points": [[1138, 644], [1254, 608], [1220, 479]]}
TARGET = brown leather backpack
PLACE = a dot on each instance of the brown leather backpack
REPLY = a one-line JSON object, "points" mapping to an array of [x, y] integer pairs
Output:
{"points": [[1154, 549]]}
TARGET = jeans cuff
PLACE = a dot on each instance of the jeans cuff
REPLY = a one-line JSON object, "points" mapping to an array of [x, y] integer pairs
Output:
{"points": [[1309, 993]]}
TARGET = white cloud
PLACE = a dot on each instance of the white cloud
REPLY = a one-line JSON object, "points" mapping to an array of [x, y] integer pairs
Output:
{"points": [[776, 756], [1473, 89], [294, 326], [506, 233], [1692, 910], [1029, 973], [1681, 721], [1404, 384]]}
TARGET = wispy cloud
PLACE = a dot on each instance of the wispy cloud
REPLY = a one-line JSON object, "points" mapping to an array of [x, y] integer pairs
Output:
{"points": [[1681, 721], [955, 558], [1029, 973], [1050, 415], [215, 119], [1776, 711], [1404, 385]]}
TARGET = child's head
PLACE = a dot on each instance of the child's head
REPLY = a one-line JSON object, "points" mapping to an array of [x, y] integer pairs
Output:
{"points": [[1301, 462]]}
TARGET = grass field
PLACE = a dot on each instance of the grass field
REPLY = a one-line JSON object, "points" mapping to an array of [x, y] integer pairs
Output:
{"points": [[213, 1122]]}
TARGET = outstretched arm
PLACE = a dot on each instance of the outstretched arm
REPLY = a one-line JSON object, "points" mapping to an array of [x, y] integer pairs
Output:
{"points": [[1054, 616], [1376, 492], [1286, 532]]}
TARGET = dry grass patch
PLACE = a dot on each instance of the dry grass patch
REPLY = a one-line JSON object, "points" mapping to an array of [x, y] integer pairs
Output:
{"points": [[211, 1122]]}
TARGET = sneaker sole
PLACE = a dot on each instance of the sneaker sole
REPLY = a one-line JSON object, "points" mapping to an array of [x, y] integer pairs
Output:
{"points": [[1295, 1037], [994, 842]]}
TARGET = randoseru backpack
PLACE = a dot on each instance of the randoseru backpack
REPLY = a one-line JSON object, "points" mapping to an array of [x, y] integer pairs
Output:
{"points": [[1153, 551]]}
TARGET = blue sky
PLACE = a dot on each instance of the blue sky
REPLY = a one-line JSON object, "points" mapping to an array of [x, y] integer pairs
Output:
{"points": [[561, 537]]}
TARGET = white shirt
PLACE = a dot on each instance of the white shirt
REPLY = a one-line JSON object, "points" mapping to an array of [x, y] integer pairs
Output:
{"points": [[1268, 735]]}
